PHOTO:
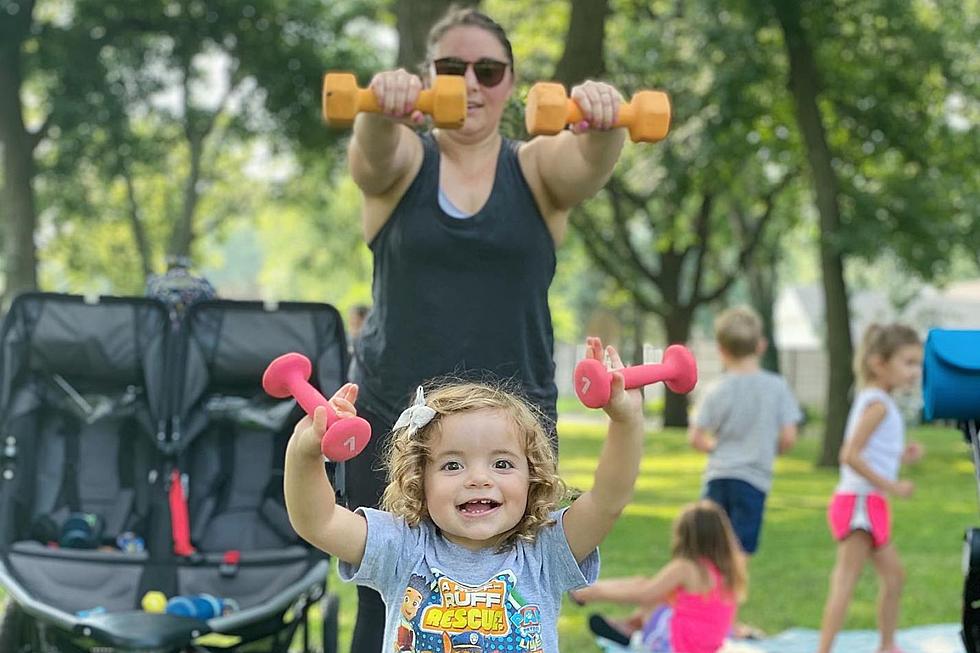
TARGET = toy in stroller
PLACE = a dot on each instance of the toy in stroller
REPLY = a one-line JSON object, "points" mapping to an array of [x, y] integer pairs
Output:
{"points": [[141, 502]]}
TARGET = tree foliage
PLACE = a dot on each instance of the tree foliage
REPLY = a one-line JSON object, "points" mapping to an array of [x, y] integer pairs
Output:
{"points": [[681, 220], [171, 86], [870, 82], [183, 126]]}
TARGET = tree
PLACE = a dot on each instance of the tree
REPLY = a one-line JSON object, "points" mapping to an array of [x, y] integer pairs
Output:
{"points": [[762, 280], [802, 82], [584, 54], [884, 157], [108, 117], [679, 222], [414, 18], [18, 144]]}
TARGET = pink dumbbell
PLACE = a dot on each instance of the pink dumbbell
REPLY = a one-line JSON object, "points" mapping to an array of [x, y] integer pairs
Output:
{"points": [[289, 375], [678, 371]]}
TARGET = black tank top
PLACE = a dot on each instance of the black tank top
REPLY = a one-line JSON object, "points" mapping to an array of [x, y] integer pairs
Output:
{"points": [[467, 297]]}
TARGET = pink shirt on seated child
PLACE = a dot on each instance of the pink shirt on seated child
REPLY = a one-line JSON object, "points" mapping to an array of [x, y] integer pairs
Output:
{"points": [[702, 621]]}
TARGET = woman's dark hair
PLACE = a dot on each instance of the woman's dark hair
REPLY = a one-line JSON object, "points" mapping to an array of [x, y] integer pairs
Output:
{"points": [[458, 16]]}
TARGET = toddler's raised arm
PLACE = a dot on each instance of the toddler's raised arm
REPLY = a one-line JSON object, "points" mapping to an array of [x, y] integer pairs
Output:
{"points": [[310, 498], [592, 515]]}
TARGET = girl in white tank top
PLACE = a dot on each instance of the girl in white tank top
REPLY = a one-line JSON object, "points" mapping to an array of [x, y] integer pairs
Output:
{"points": [[874, 448]]}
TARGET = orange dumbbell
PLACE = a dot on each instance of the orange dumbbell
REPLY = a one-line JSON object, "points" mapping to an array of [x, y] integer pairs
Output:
{"points": [[549, 109], [343, 100]]}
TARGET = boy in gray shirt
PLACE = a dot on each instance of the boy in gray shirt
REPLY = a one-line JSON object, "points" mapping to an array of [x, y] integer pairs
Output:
{"points": [[745, 419]]}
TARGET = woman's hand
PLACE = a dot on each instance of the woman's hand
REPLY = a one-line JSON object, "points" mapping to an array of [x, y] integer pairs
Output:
{"points": [[624, 405], [308, 432], [397, 92], [599, 103]]}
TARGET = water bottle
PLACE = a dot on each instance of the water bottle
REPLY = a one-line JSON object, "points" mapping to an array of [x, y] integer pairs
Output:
{"points": [[200, 606]]}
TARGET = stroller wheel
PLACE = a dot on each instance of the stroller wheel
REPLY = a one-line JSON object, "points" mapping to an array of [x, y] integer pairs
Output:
{"points": [[331, 604], [15, 630]]}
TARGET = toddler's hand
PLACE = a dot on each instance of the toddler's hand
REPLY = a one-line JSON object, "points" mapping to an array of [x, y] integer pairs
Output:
{"points": [[343, 400], [309, 431], [624, 405], [904, 489]]}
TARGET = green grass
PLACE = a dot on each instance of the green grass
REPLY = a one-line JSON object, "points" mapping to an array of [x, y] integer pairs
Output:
{"points": [[789, 573], [572, 406]]}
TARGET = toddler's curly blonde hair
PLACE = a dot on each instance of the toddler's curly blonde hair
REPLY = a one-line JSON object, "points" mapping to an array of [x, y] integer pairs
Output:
{"points": [[408, 454]]}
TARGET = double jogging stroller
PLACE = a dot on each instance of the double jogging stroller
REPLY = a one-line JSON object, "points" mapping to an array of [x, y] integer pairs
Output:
{"points": [[143, 461], [951, 391]]}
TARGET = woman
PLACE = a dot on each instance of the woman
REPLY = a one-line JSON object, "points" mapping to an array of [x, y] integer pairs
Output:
{"points": [[463, 226]]}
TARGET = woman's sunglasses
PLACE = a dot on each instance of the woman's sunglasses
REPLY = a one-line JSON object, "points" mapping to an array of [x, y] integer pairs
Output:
{"points": [[489, 72]]}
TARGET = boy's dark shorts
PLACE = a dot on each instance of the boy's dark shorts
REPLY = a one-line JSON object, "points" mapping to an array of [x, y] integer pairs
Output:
{"points": [[744, 504]]}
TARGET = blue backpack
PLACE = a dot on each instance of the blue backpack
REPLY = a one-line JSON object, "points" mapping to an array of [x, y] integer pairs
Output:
{"points": [[951, 375]]}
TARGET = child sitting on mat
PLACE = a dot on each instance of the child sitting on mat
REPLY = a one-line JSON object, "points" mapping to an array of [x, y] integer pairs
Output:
{"points": [[692, 600]]}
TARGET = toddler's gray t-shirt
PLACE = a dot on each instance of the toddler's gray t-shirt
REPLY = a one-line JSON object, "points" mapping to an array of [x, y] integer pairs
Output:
{"points": [[746, 412], [442, 597]]}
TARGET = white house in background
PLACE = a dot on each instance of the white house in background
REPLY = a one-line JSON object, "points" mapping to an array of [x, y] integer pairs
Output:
{"points": [[799, 311], [800, 328], [795, 320]]}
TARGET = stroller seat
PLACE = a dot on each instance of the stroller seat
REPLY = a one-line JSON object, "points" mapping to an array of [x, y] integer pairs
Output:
{"points": [[159, 436], [81, 414], [229, 438]]}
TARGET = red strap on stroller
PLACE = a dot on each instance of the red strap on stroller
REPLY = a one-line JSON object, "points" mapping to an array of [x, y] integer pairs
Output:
{"points": [[179, 518]]}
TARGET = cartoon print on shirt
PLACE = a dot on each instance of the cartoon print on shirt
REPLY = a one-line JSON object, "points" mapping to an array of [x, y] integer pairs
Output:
{"points": [[450, 617], [416, 591]]}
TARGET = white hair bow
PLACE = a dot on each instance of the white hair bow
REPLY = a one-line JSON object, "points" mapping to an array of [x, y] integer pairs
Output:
{"points": [[415, 416]]}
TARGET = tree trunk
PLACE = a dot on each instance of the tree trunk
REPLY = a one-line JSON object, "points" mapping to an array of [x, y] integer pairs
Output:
{"points": [[639, 333], [678, 326], [136, 221], [17, 144], [183, 234], [584, 43], [803, 85], [413, 20], [762, 279]]}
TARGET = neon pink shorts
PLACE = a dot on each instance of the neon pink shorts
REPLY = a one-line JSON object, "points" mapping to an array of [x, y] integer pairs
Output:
{"points": [[860, 512]]}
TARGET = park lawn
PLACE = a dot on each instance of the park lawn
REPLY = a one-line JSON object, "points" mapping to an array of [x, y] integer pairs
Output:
{"points": [[789, 573]]}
